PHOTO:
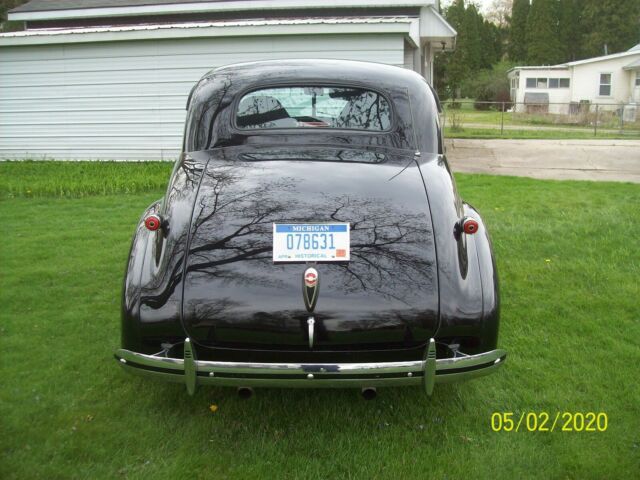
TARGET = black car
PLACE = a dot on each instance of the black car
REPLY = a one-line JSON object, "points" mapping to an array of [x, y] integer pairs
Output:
{"points": [[311, 235]]}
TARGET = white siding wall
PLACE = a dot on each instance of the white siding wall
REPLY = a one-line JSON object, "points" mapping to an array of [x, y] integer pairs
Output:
{"points": [[587, 81], [126, 100], [556, 95]]}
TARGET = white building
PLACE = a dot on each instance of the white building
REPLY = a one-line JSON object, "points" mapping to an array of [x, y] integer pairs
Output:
{"points": [[109, 79], [609, 81]]}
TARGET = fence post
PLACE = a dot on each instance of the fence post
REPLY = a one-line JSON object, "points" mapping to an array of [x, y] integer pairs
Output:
{"points": [[444, 117], [622, 120], [595, 124], [502, 119]]}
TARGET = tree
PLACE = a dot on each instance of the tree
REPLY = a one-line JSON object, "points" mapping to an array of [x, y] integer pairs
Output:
{"points": [[543, 43], [517, 49], [499, 12], [474, 50], [569, 29], [5, 6], [609, 26], [496, 37], [479, 45], [451, 66]]}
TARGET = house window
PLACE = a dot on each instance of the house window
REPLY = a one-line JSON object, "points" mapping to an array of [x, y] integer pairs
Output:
{"points": [[558, 83], [605, 84], [537, 82], [637, 79], [514, 83]]}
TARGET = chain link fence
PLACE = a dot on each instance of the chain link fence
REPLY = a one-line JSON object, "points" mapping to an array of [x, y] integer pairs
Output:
{"points": [[468, 118]]}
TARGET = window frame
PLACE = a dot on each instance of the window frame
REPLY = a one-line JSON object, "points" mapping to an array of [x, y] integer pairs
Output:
{"points": [[637, 84], [300, 130], [610, 84], [537, 81]]}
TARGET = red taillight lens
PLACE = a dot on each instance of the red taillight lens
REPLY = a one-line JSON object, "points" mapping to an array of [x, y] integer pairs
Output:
{"points": [[152, 222], [470, 226]]}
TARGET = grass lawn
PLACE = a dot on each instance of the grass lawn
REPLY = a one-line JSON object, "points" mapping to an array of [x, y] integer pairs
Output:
{"points": [[486, 124], [528, 134], [569, 264]]}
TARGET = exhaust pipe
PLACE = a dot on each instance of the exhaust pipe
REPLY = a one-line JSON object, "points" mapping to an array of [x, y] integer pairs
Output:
{"points": [[369, 393], [245, 392]]}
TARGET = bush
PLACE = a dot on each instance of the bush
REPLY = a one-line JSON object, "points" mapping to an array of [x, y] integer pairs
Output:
{"points": [[489, 86]]}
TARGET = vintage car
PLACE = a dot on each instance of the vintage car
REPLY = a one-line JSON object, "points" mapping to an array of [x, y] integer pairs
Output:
{"points": [[311, 235]]}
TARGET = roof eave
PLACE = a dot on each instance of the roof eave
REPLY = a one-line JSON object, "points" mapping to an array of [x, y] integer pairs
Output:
{"points": [[218, 29], [561, 66], [200, 7], [603, 58]]}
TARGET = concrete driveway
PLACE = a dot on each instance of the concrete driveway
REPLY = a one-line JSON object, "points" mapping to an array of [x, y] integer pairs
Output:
{"points": [[604, 160]]}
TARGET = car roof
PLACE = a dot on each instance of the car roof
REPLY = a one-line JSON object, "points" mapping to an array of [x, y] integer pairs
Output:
{"points": [[270, 71]]}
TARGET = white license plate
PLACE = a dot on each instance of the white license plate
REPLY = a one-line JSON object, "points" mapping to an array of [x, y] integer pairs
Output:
{"points": [[311, 242]]}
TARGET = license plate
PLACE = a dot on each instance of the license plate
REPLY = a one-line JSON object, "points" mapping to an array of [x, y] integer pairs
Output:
{"points": [[311, 242]]}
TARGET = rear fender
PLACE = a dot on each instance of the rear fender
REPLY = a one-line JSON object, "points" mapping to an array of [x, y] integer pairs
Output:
{"points": [[489, 279], [152, 297], [459, 270], [130, 307]]}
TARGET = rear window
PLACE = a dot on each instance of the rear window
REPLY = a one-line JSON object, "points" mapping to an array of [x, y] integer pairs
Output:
{"points": [[314, 107]]}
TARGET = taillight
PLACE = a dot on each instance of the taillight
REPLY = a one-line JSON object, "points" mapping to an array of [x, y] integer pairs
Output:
{"points": [[153, 222], [469, 226]]}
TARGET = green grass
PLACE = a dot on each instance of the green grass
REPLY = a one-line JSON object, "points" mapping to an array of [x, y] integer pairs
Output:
{"points": [[79, 179], [525, 134], [569, 266], [486, 124]]}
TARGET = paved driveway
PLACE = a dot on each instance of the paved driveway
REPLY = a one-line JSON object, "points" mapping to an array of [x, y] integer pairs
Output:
{"points": [[604, 160]]}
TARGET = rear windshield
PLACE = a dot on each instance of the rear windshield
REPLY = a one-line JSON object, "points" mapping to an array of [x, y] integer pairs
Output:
{"points": [[314, 107]]}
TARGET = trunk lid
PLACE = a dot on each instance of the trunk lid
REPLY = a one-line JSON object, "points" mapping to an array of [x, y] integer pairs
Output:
{"points": [[236, 297]]}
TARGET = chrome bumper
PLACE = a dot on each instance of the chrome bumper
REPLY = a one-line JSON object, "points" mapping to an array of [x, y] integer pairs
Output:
{"points": [[426, 372]]}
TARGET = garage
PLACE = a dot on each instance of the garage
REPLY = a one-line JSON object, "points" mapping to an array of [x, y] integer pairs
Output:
{"points": [[109, 80]]}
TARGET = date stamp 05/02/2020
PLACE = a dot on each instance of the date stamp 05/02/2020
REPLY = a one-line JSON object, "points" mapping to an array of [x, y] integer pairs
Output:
{"points": [[549, 422]]}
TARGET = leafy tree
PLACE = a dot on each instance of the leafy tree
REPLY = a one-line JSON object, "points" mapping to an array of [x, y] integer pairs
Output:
{"points": [[451, 68], [611, 23], [518, 31], [543, 43], [479, 45], [472, 45], [569, 29], [496, 38], [499, 12], [490, 85], [5, 6]]}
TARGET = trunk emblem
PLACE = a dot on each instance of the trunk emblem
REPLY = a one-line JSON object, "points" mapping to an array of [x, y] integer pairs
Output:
{"points": [[310, 278], [310, 287]]}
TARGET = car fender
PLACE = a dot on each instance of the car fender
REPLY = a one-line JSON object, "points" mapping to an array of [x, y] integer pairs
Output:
{"points": [[153, 285], [130, 305], [483, 249]]}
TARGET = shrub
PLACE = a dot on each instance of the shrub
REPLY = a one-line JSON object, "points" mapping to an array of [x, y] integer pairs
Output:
{"points": [[490, 85]]}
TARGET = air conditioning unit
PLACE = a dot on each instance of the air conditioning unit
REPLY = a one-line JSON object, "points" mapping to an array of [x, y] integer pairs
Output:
{"points": [[630, 112]]}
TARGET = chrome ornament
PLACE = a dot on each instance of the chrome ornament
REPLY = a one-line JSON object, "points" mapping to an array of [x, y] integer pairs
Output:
{"points": [[310, 288], [311, 323]]}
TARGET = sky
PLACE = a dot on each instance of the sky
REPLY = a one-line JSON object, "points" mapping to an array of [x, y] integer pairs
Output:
{"points": [[483, 4]]}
